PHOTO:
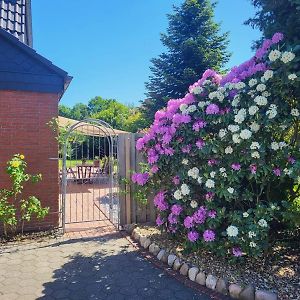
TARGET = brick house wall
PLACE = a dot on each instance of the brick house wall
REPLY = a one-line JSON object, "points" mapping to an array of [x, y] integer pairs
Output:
{"points": [[23, 129]]}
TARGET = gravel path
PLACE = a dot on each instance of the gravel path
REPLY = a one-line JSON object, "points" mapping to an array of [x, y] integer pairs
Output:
{"points": [[106, 267]]}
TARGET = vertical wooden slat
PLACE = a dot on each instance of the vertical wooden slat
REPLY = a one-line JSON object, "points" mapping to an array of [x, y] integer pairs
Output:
{"points": [[152, 209], [142, 209], [127, 166], [122, 174], [133, 167]]}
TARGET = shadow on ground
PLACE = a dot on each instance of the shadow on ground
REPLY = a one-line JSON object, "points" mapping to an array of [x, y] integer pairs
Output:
{"points": [[125, 275]]}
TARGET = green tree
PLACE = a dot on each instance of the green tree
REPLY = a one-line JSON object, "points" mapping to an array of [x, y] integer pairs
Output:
{"points": [[115, 114], [135, 121], [64, 111], [194, 43], [79, 111], [277, 16], [98, 104]]}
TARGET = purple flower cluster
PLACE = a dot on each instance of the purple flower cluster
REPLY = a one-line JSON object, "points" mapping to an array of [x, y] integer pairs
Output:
{"points": [[212, 109], [200, 124], [277, 172], [176, 209], [140, 178], [236, 166], [172, 219], [253, 169], [159, 221], [209, 196], [188, 222], [199, 216], [212, 214], [200, 143], [237, 252], [209, 235], [176, 180], [160, 202], [193, 236]]}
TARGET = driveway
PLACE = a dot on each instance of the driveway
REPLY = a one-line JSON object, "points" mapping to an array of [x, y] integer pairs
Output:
{"points": [[101, 267]]}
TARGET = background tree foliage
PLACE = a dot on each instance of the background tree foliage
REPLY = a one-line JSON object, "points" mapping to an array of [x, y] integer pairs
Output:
{"points": [[277, 16], [194, 43], [118, 115]]}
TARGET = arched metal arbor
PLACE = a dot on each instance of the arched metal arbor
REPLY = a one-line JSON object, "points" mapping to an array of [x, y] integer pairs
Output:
{"points": [[89, 175]]}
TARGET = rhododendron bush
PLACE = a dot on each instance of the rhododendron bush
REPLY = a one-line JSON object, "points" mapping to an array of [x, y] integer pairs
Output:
{"points": [[224, 160]]}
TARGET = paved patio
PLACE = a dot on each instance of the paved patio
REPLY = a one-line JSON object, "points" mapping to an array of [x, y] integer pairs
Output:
{"points": [[85, 267]]}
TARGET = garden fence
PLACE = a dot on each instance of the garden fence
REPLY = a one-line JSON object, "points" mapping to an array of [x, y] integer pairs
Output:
{"points": [[129, 158]]}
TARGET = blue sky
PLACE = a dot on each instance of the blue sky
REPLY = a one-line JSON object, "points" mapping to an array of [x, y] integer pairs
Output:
{"points": [[107, 45]]}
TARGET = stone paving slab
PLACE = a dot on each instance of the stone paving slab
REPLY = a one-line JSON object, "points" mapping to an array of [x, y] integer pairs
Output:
{"points": [[104, 267]]}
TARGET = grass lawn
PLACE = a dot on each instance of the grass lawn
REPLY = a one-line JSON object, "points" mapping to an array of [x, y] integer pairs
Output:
{"points": [[73, 163]]}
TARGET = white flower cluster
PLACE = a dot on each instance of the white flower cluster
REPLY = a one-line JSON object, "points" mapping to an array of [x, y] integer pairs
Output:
{"points": [[184, 191], [228, 150], [185, 161], [253, 110], [251, 234], [223, 172], [240, 116], [217, 94], [254, 146], [230, 190], [292, 76], [222, 133], [185, 109], [235, 101], [202, 104], [274, 55], [261, 100], [272, 111], [239, 85], [194, 204], [255, 154], [197, 90], [245, 134], [212, 174], [252, 82], [210, 183], [261, 87], [276, 146], [254, 126], [268, 75], [194, 173], [232, 231], [236, 138], [295, 112], [262, 223], [178, 195], [287, 57], [233, 128]]}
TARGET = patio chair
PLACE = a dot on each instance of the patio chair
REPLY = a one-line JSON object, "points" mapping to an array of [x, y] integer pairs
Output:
{"points": [[101, 172]]}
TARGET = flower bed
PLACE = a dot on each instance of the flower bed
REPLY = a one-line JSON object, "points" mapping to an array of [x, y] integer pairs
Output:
{"points": [[277, 273], [224, 159]]}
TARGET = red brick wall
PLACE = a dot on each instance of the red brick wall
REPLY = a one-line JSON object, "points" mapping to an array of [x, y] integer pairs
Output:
{"points": [[23, 129]]}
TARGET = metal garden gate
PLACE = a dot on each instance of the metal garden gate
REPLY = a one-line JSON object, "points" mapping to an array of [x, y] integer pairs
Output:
{"points": [[89, 175]]}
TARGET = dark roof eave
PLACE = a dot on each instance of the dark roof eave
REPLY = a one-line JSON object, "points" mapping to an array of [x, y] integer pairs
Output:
{"points": [[66, 85], [47, 63]]}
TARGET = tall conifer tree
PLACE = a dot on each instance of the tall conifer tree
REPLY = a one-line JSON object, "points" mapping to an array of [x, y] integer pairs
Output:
{"points": [[193, 44]]}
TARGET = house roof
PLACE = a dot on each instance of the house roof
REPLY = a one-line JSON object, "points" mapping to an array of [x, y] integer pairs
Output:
{"points": [[87, 128], [15, 18], [22, 68]]}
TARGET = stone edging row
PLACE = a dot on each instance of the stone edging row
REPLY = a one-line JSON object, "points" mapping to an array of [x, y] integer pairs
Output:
{"points": [[220, 285]]}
